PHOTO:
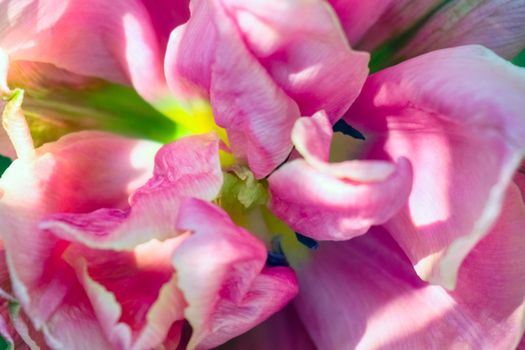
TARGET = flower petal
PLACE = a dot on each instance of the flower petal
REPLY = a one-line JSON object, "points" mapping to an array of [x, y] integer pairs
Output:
{"points": [[257, 81], [187, 167], [284, 331], [396, 18], [253, 110], [229, 291], [498, 25], [301, 45], [457, 115], [358, 16], [367, 293], [335, 201], [80, 172], [118, 42], [134, 294]]}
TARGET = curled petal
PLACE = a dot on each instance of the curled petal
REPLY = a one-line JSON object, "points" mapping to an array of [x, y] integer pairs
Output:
{"points": [[187, 167], [81, 172], [368, 293], [335, 201], [253, 109], [230, 290], [457, 115], [134, 294], [301, 45], [281, 78]]}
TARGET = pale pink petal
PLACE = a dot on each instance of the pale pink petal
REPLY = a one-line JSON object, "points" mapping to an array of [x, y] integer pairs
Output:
{"points": [[221, 271], [335, 201], [301, 45], [15, 127], [187, 167], [116, 41], [457, 115], [4, 68], [284, 331], [364, 294], [81, 172]]}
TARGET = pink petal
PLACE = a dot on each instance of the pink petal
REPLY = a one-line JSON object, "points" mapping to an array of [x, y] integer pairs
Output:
{"points": [[230, 290], [81, 172], [116, 42], [358, 16], [187, 167], [134, 294], [519, 179], [253, 109], [364, 294], [301, 45], [284, 331], [396, 18], [498, 25], [4, 67], [15, 127], [457, 115], [258, 82], [335, 201]]}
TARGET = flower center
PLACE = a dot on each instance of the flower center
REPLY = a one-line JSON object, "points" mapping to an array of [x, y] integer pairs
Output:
{"points": [[245, 199]]}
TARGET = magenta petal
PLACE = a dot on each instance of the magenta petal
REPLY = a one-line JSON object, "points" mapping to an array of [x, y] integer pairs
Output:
{"points": [[358, 16], [187, 167], [134, 294], [229, 290], [457, 115], [363, 293], [335, 201]]}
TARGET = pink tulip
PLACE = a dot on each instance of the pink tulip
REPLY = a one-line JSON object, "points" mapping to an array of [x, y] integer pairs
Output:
{"points": [[109, 242]]}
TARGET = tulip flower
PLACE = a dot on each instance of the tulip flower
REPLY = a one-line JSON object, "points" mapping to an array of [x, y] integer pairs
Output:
{"points": [[254, 235]]}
